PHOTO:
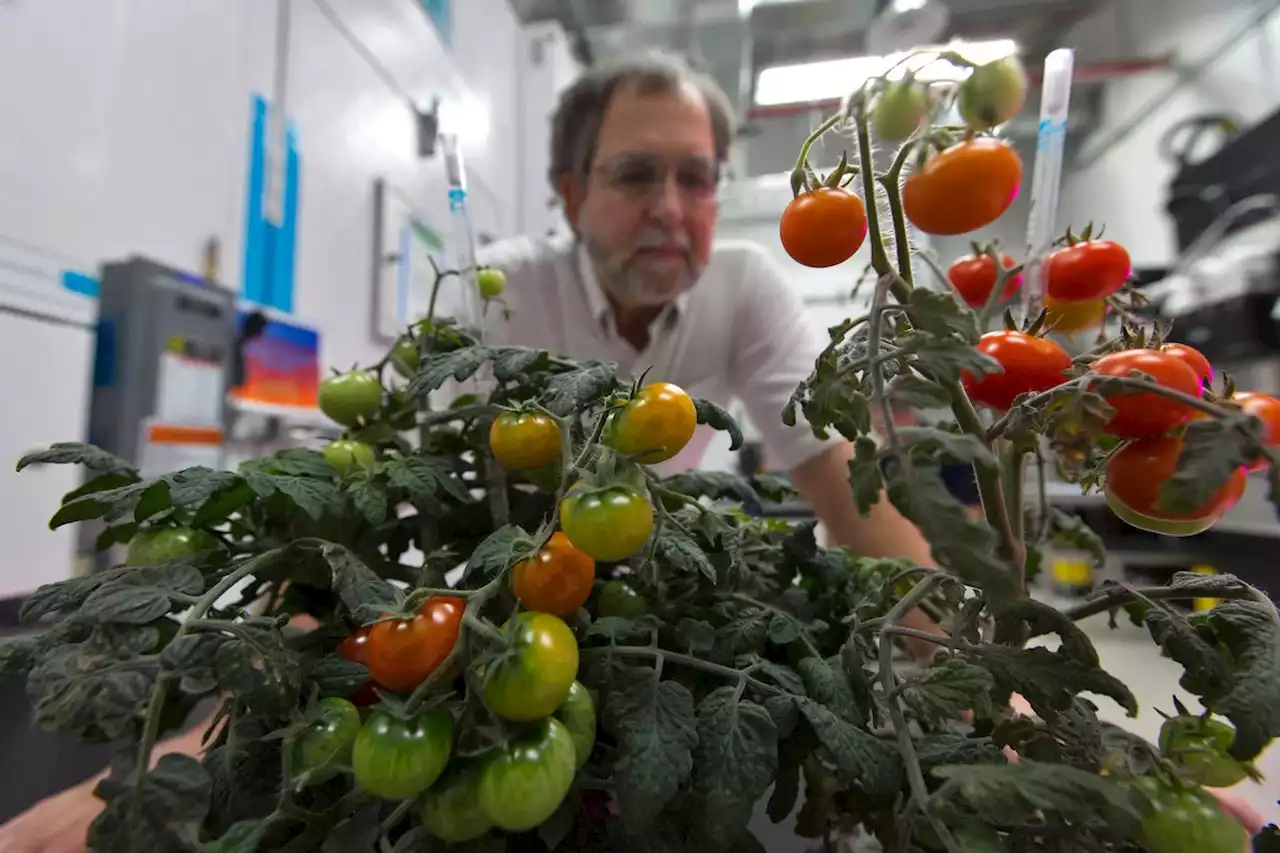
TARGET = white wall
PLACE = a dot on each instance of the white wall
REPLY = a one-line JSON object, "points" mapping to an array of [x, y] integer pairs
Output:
{"points": [[1126, 188]]}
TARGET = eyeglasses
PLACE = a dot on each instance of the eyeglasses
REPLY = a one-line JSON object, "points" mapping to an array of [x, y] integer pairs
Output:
{"points": [[643, 176]]}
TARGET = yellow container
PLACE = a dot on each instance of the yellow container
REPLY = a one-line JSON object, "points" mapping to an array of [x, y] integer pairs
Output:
{"points": [[1202, 604]]}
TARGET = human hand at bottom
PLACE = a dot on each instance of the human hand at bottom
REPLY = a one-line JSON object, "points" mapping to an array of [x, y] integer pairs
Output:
{"points": [[56, 824]]}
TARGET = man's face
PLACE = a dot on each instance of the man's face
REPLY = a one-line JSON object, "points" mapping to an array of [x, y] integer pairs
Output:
{"points": [[646, 210]]}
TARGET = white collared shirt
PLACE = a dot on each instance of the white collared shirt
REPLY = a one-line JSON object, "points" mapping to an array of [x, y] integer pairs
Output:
{"points": [[741, 333]]}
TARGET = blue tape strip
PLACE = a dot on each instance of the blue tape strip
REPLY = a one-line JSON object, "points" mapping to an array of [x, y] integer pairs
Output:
{"points": [[78, 282], [253, 279]]}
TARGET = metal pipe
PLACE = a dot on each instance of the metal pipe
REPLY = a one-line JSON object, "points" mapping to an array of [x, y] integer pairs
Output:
{"points": [[1093, 153]]}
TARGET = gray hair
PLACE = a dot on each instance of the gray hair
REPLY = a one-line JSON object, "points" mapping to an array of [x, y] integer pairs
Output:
{"points": [[575, 126]]}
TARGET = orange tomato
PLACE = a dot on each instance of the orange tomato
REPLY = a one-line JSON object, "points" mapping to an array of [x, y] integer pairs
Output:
{"points": [[964, 187], [403, 652], [823, 227], [556, 580]]}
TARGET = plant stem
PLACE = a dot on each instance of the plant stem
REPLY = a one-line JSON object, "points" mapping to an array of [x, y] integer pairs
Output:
{"points": [[879, 258], [892, 189], [1013, 473], [1115, 596], [804, 635], [877, 376], [683, 660], [461, 413], [915, 776], [474, 600], [159, 693], [813, 137], [938, 639]]}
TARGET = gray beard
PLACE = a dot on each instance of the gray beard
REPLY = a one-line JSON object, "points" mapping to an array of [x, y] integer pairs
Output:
{"points": [[630, 286]]}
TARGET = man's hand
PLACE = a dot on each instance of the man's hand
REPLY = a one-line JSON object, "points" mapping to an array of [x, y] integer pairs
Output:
{"points": [[56, 824]]}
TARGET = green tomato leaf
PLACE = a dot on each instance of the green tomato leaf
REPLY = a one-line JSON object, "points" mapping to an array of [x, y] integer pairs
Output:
{"points": [[75, 453], [1069, 531], [947, 748], [334, 675], [427, 479], [785, 714], [500, 550], [947, 358], [1048, 680], [255, 666], [786, 786], [1249, 633], [743, 635], [656, 731], [1205, 671], [863, 759], [555, 829], [948, 446], [88, 691], [195, 486], [1025, 789], [219, 507], [734, 763], [243, 837], [774, 487], [826, 683], [143, 594], [313, 496], [438, 368], [783, 629], [365, 594], [717, 485], [837, 404], [767, 670], [572, 391], [112, 504], [695, 635], [947, 689], [194, 657], [714, 416], [913, 392], [677, 551], [1206, 585], [1028, 619], [1212, 450], [163, 815], [939, 313], [154, 499], [299, 462], [864, 474], [100, 483], [17, 655], [369, 495], [513, 364], [360, 831]]}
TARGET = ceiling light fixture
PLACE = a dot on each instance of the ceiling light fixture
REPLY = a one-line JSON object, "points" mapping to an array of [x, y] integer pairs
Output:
{"points": [[830, 79]]}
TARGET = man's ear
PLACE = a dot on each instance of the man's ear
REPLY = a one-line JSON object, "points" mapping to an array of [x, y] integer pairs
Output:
{"points": [[573, 191]]}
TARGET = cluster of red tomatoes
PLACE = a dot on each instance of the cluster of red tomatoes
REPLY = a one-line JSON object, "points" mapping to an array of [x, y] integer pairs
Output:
{"points": [[399, 755], [1137, 471]]}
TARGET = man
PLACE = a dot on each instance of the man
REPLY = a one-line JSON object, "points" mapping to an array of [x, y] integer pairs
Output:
{"points": [[636, 155]]}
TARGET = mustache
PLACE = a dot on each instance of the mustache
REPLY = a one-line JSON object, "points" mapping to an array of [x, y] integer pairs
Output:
{"points": [[660, 240]]}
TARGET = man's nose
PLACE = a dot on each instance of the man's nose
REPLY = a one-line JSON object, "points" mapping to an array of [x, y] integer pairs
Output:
{"points": [[667, 203]]}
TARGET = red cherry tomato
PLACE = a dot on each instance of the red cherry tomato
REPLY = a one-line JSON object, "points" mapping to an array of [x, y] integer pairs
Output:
{"points": [[1137, 472], [1091, 269], [1030, 364], [1194, 359], [403, 652], [1265, 408], [823, 227], [964, 187], [1143, 414], [355, 648], [973, 276]]}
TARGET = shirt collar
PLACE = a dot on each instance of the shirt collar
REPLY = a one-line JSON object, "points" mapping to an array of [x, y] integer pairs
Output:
{"points": [[598, 304]]}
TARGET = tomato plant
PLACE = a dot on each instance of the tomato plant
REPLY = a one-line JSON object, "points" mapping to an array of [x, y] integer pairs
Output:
{"points": [[533, 679], [323, 749], [723, 657], [350, 397], [1266, 409], [1138, 471], [523, 784], [394, 758], [654, 425], [1187, 820], [1199, 748], [993, 93], [151, 547], [974, 277], [823, 227], [1194, 359], [557, 580], [1028, 364], [1087, 270], [524, 440], [1149, 413], [963, 188], [349, 456], [491, 282], [403, 652]]}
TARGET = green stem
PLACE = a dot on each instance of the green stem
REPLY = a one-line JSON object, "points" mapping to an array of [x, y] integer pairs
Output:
{"points": [[159, 693], [889, 681], [879, 258], [1116, 596], [461, 413], [435, 290], [475, 599], [1013, 473], [804, 635], [987, 474], [891, 181], [812, 138], [683, 660]]}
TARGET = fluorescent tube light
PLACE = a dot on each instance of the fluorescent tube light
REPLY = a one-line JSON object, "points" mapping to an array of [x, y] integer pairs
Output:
{"points": [[830, 79]]}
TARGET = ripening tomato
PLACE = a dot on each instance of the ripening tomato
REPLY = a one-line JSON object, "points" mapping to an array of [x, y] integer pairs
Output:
{"points": [[973, 277], [1187, 820], [1193, 359], [403, 652], [993, 93], [1265, 408], [350, 397], [533, 679], [1090, 269], [348, 456], [323, 748], [963, 188], [1137, 472], [899, 111], [523, 440], [823, 227], [556, 580], [491, 282], [1067, 318], [160, 545], [578, 714], [654, 425], [1198, 747], [1030, 365], [1143, 414], [355, 648], [610, 524], [524, 783], [396, 759], [451, 807]]}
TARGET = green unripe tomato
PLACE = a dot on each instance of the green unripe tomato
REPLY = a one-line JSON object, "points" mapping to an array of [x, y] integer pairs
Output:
{"points": [[350, 397], [617, 598], [898, 111], [150, 547], [396, 759], [405, 357], [578, 714], [1199, 748], [348, 456], [323, 749], [523, 784], [993, 94], [491, 282], [451, 807]]}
